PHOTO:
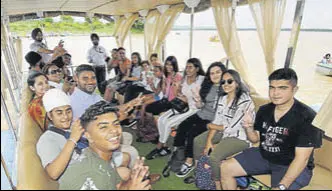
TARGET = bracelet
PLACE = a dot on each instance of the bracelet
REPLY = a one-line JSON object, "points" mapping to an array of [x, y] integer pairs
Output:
{"points": [[73, 141]]}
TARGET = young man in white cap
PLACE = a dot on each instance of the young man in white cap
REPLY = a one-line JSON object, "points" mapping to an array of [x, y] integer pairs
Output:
{"points": [[54, 150], [61, 144]]}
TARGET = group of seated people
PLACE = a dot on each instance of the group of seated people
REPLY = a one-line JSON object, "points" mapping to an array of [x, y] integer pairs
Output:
{"points": [[84, 147]]}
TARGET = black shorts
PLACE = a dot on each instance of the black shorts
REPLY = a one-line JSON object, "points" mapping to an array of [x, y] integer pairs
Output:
{"points": [[253, 163]]}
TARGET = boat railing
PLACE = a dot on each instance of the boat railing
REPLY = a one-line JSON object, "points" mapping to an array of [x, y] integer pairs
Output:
{"points": [[11, 88]]}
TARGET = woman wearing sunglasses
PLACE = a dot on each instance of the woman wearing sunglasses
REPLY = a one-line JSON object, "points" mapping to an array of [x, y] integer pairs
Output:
{"points": [[55, 77], [226, 135]]}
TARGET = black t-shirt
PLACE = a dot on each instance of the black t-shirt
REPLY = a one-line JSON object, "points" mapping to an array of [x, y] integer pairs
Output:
{"points": [[294, 129]]}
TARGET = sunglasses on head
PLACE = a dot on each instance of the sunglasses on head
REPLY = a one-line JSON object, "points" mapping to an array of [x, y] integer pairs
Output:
{"points": [[229, 81], [55, 71]]}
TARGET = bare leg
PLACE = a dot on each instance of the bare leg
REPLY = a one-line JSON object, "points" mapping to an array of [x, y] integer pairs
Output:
{"points": [[120, 98], [230, 169], [218, 185]]}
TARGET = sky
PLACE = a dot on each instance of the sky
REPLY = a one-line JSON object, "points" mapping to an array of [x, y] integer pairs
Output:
{"points": [[317, 14]]}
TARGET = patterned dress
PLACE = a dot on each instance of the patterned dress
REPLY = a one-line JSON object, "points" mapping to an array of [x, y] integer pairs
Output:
{"points": [[37, 112]]}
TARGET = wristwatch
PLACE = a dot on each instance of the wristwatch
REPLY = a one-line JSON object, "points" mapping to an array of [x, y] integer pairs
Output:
{"points": [[282, 187]]}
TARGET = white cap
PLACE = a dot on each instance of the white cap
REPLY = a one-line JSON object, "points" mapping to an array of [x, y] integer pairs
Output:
{"points": [[54, 98]]}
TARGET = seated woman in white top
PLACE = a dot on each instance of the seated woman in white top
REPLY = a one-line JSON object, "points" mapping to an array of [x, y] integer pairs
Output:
{"points": [[194, 76], [226, 135]]}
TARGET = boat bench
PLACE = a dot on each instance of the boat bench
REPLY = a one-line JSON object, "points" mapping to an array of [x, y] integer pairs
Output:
{"points": [[32, 176]]}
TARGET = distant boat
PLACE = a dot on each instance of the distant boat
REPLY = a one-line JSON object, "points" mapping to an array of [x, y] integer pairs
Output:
{"points": [[324, 69], [214, 38]]}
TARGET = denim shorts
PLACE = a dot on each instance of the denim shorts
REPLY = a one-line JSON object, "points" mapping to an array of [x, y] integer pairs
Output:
{"points": [[253, 163]]}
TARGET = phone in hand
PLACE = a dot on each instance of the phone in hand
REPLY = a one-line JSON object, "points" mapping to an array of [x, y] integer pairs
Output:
{"points": [[210, 151], [146, 178]]}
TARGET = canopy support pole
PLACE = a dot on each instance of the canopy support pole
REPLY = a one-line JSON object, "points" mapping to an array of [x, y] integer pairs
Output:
{"points": [[6, 112], [4, 165], [7, 48], [295, 33], [145, 50], [191, 31], [130, 43], [6, 78]]}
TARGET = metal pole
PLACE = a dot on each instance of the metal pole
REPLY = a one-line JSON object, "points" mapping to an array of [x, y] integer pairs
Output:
{"points": [[145, 50], [7, 53], [9, 121], [3, 163], [191, 32], [4, 72], [295, 33], [163, 51], [130, 43]]}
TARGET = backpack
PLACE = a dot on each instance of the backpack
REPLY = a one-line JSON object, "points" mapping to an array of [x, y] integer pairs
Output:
{"points": [[204, 176], [175, 161], [80, 145], [147, 129]]}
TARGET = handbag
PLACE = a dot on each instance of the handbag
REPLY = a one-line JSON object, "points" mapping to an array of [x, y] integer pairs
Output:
{"points": [[179, 105], [204, 175]]}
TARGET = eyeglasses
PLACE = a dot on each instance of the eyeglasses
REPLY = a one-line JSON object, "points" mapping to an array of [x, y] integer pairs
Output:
{"points": [[56, 71], [229, 81]]}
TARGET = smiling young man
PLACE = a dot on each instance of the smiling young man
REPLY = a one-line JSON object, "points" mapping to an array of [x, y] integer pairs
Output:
{"points": [[287, 139], [55, 151], [92, 170], [84, 96]]}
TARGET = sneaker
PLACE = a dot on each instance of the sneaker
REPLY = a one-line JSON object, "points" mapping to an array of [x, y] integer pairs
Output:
{"points": [[165, 151], [153, 154], [190, 180], [185, 170]]}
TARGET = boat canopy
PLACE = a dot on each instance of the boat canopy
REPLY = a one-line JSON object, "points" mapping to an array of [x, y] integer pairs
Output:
{"points": [[28, 9]]}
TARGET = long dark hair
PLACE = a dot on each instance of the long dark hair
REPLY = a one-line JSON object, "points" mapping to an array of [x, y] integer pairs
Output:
{"points": [[138, 56], [32, 80], [174, 62], [207, 83], [197, 63], [240, 88]]}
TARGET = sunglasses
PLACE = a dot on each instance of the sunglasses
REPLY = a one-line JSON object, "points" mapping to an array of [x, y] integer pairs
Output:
{"points": [[56, 71], [229, 81]]}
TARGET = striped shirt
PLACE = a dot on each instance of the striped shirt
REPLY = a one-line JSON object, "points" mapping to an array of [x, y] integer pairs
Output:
{"points": [[231, 117]]}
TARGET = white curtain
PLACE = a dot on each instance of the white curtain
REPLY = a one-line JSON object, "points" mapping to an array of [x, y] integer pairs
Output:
{"points": [[157, 26], [124, 29], [227, 30], [323, 119], [268, 16], [151, 30]]}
